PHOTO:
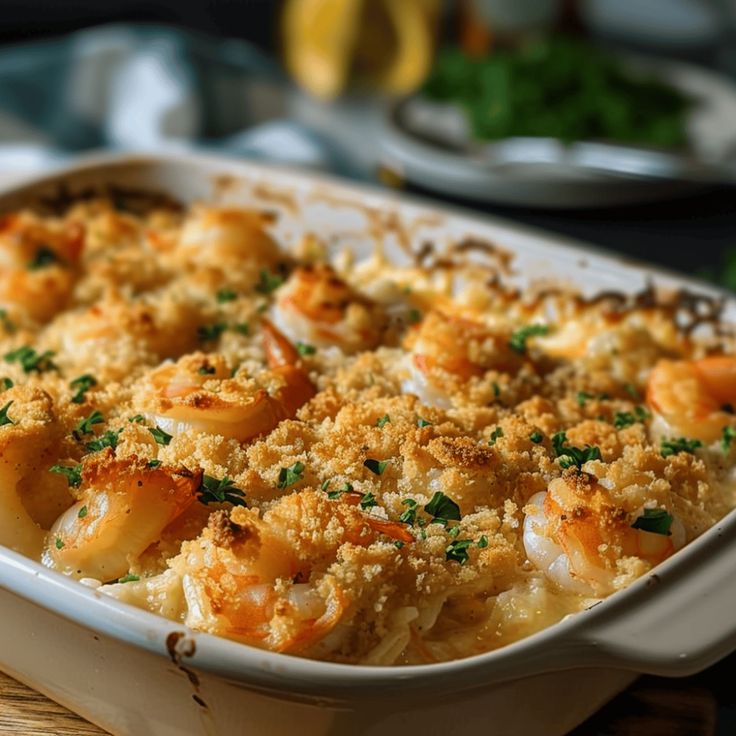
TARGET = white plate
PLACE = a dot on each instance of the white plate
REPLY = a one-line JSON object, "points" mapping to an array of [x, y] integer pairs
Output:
{"points": [[428, 144]]}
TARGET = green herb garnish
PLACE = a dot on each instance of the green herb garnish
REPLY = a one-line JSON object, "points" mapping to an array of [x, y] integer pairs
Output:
{"points": [[129, 579], [153, 463], [107, 439], [498, 432], [677, 445], [410, 515], [85, 426], [292, 474], [44, 257], [442, 508], [383, 421], [457, 550], [423, 422], [520, 336], [82, 512], [268, 282], [208, 333], [657, 521], [30, 360], [72, 473], [483, 541], [413, 316], [212, 490], [82, 384], [226, 295], [368, 501], [163, 438], [304, 349], [4, 418], [573, 455], [6, 383], [59, 543], [728, 436], [376, 466], [536, 437], [206, 370]]}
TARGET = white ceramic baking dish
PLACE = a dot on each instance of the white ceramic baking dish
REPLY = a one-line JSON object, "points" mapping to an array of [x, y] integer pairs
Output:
{"points": [[136, 674]]}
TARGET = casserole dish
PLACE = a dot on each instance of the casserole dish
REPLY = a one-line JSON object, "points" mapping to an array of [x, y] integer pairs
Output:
{"points": [[134, 673]]}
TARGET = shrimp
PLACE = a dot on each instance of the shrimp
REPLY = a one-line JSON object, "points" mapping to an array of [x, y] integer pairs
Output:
{"points": [[316, 306], [228, 242], [38, 262], [447, 351], [24, 445], [693, 398], [197, 393], [123, 508], [575, 532], [254, 578]]}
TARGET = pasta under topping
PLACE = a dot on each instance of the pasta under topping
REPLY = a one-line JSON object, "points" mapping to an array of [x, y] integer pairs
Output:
{"points": [[357, 462]]}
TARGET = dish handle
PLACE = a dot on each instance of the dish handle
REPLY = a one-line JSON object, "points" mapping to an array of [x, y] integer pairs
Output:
{"points": [[678, 621]]}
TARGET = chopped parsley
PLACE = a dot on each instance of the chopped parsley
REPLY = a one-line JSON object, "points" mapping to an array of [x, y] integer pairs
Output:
{"points": [[82, 512], [729, 434], [304, 348], [674, 446], [212, 490], [410, 515], [226, 295], [344, 488], [85, 426], [483, 541], [6, 383], [624, 419], [153, 463], [582, 397], [137, 419], [423, 422], [44, 257], [520, 336], [268, 282], [381, 422], [496, 390], [208, 333], [632, 391], [59, 543], [206, 370], [30, 360], [442, 508], [498, 432], [163, 438], [129, 579], [242, 328], [413, 316], [81, 385], [536, 437], [4, 418], [376, 466], [573, 455], [5, 321], [72, 473], [398, 544], [368, 501], [657, 521], [457, 550], [292, 474], [107, 439]]}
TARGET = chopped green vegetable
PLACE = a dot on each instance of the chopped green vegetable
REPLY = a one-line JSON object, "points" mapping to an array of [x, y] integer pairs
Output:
{"points": [[496, 390], [498, 432], [137, 419], [226, 295], [206, 370], [82, 512], [657, 521], [268, 282], [6, 322], [674, 446], [163, 438], [457, 550], [344, 488], [413, 316], [483, 541], [153, 463], [59, 543], [82, 384], [423, 422], [410, 515], [107, 439], [292, 474], [383, 421], [208, 333], [242, 328], [398, 544], [30, 360], [212, 490], [729, 434], [86, 425], [573, 455], [304, 349], [368, 501], [4, 418], [376, 466], [129, 579], [44, 257], [443, 508], [72, 473], [536, 437], [6, 383], [519, 338]]}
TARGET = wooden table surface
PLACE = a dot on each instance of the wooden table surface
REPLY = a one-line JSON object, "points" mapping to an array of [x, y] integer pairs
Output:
{"points": [[703, 705]]}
